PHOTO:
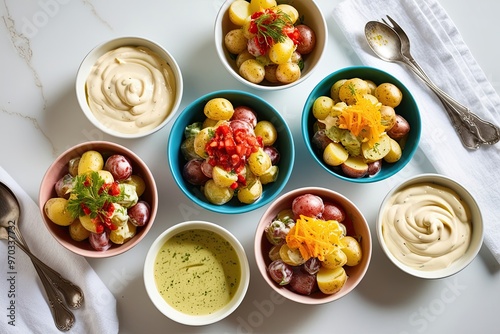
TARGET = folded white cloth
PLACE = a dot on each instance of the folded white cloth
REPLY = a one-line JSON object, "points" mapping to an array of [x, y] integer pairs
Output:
{"points": [[440, 50], [23, 303]]}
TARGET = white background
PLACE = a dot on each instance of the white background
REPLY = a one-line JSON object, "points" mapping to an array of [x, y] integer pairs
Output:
{"points": [[43, 42]]}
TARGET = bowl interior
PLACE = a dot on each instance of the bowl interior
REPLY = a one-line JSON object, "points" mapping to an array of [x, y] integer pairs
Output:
{"points": [[355, 223], [477, 226], [408, 109], [312, 16], [91, 58], [194, 113], [59, 168], [159, 301]]}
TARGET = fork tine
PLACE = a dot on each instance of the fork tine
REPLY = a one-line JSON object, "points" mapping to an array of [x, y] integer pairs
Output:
{"points": [[394, 23]]}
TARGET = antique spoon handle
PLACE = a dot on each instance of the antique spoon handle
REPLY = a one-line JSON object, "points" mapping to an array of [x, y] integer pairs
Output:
{"points": [[63, 317], [72, 294]]}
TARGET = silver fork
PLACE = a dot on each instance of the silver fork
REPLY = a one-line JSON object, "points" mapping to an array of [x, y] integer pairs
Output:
{"points": [[464, 121]]}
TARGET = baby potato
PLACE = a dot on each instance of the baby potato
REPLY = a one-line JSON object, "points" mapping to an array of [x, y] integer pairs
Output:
{"points": [[241, 57], [288, 72], [291, 256], [270, 176], [56, 209], [201, 140], [250, 193], [377, 151], [259, 162], [123, 233], [267, 131], [281, 52], [322, 107], [239, 11], [106, 176], [291, 11], [335, 259], [354, 167], [217, 195], [331, 281], [138, 182], [372, 86], [394, 153], [77, 232], [219, 109], [335, 154], [399, 129], [223, 178], [307, 39], [334, 90], [352, 88], [88, 224], [388, 94], [90, 161], [388, 117], [235, 41], [252, 70], [352, 250], [270, 73]]}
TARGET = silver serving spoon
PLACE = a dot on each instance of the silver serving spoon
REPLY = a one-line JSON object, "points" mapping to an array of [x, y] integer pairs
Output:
{"points": [[473, 131], [51, 279]]}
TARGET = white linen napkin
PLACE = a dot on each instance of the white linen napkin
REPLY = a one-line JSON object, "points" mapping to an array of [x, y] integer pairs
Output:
{"points": [[440, 50], [24, 307]]}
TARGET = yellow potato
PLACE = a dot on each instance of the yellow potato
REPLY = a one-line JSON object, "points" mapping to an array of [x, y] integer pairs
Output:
{"points": [[139, 183], [123, 233], [267, 131], [388, 94], [281, 52], [288, 72], [335, 259], [334, 90], [289, 10], [88, 224], [352, 250], [353, 88], [377, 151], [270, 176], [258, 5], [322, 107], [252, 70], [394, 153], [223, 178], [239, 11], [335, 154], [90, 161], [56, 209], [250, 193], [241, 57], [259, 162], [201, 140], [217, 195], [106, 176], [235, 41], [388, 117], [291, 256], [331, 281], [372, 85], [219, 109], [77, 232]]}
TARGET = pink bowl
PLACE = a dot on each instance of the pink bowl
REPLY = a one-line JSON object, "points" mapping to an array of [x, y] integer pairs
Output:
{"points": [[358, 227], [59, 168]]}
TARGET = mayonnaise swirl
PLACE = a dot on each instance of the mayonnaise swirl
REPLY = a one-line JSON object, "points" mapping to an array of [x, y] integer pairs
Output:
{"points": [[426, 226], [131, 89]]}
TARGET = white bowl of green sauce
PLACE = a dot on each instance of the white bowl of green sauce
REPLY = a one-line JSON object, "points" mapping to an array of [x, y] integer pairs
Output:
{"points": [[196, 273]]}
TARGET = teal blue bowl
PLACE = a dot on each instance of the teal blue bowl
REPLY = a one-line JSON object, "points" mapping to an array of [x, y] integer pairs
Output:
{"points": [[194, 113], [407, 108]]}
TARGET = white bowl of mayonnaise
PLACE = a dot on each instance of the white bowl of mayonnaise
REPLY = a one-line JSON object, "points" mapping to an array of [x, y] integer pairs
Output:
{"points": [[430, 226], [196, 273], [129, 87]]}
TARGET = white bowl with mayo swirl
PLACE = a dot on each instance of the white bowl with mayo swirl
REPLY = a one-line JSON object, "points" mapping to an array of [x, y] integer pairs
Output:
{"points": [[430, 226], [129, 87]]}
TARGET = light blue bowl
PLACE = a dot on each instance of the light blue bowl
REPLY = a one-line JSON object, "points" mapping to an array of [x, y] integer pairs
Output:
{"points": [[408, 109], [194, 113]]}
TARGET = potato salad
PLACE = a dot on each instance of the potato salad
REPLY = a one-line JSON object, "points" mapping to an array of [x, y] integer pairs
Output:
{"points": [[230, 153], [268, 41], [357, 127], [311, 243], [99, 200]]}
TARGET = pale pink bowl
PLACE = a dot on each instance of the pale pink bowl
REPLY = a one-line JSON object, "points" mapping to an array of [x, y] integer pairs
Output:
{"points": [[359, 225], [59, 168]]}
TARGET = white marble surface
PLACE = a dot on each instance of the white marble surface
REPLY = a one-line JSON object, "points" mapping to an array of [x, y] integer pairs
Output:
{"points": [[42, 43]]}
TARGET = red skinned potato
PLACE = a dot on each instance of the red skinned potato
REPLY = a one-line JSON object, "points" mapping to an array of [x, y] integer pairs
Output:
{"points": [[273, 153], [307, 205], [399, 129], [303, 282], [193, 173], [246, 114], [119, 166], [374, 167], [354, 167], [333, 211], [307, 39]]}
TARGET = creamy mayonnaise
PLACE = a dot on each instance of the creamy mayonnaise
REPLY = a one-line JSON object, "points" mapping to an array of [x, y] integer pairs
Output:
{"points": [[426, 226], [131, 89], [197, 272]]}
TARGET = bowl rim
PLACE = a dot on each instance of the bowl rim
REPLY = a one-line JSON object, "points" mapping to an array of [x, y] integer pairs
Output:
{"points": [[120, 249], [306, 113], [221, 208], [89, 60], [163, 306], [302, 299], [477, 228], [220, 52]]}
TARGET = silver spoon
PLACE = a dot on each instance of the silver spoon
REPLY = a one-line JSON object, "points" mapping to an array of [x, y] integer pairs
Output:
{"points": [[63, 317], [473, 131]]}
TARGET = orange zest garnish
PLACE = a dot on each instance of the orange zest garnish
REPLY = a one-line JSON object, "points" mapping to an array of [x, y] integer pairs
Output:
{"points": [[314, 237], [363, 119]]}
